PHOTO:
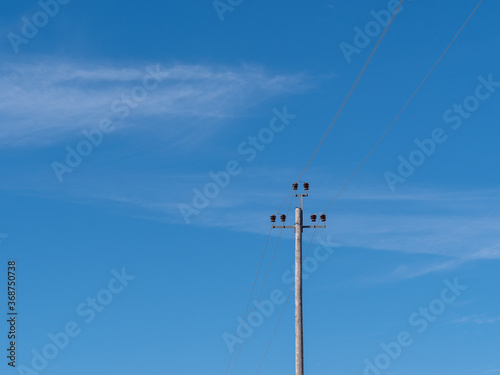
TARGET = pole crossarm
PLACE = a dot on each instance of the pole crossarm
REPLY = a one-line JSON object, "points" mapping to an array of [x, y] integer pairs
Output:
{"points": [[303, 226]]}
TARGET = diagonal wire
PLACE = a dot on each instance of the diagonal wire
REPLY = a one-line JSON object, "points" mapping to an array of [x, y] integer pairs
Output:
{"points": [[251, 294], [348, 96], [352, 89], [274, 332], [258, 298], [284, 308], [406, 105], [284, 200]]}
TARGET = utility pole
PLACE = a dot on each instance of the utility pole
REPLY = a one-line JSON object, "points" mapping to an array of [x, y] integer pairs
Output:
{"points": [[299, 342]]}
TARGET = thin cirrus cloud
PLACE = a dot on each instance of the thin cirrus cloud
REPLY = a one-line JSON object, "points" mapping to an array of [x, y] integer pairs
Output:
{"points": [[443, 236], [50, 98], [476, 319], [417, 222]]}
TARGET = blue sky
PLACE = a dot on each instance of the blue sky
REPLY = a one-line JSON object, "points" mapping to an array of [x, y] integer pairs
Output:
{"points": [[117, 116]]}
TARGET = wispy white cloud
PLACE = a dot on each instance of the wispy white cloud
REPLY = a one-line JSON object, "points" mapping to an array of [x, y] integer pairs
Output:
{"points": [[40, 101], [492, 371], [491, 252], [444, 228], [453, 226], [476, 319], [403, 272]]}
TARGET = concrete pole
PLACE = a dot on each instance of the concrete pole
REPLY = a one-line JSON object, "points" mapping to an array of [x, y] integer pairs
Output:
{"points": [[299, 344]]}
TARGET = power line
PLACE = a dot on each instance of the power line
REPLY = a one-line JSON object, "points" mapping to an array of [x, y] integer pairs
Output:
{"points": [[406, 105], [278, 210], [284, 308], [275, 329], [258, 299], [250, 299], [346, 99], [352, 89]]}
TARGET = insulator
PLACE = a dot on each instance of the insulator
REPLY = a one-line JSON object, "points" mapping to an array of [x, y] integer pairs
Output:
{"points": [[295, 186], [273, 218], [306, 186], [313, 218], [283, 218], [323, 218]]}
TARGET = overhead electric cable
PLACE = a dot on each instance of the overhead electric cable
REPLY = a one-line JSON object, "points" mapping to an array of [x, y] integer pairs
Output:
{"points": [[348, 96], [251, 294], [406, 105], [352, 89], [258, 298], [283, 311]]}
